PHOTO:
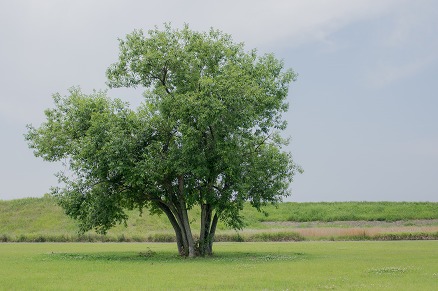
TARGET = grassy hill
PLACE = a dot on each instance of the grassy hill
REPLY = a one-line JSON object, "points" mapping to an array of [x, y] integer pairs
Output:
{"points": [[41, 219]]}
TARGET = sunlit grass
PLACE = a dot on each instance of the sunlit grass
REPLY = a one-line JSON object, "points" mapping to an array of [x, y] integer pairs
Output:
{"points": [[346, 211], [403, 265]]}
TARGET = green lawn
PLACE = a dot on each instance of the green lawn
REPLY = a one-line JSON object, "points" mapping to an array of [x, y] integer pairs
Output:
{"points": [[402, 265]]}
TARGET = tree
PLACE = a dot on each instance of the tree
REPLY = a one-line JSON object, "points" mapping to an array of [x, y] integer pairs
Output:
{"points": [[207, 135]]}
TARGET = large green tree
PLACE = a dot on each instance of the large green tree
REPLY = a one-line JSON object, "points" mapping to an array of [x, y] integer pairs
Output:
{"points": [[206, 135]]}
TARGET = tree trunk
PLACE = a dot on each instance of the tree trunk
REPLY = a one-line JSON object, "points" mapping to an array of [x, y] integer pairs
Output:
{"points": [[185, 218], [178, 217], [180, 242], [177, 214], [202, 231], [204, 236], [209, 249]]}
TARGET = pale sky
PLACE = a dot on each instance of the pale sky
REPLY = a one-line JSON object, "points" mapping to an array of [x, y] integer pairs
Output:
{"points": [[363, 114]]}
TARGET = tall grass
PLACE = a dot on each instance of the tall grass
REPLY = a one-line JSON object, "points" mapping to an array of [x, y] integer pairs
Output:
{"points": [[346, 211], [42, 220]]}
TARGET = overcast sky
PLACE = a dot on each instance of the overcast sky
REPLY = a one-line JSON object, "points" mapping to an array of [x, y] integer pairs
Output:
{"points": [[363, 113]]}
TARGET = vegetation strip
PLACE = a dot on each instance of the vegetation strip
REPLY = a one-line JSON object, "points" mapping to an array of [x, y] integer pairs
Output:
{"points": [[41, 220]]}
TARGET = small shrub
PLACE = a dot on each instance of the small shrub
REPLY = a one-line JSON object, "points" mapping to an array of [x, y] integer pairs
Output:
{"points": [[407, 236], [22, 238], [121, 238], [39, 238], [276, 236], [227, 237], [149, 253], [137, 238], [161, 237], [4, 238]]}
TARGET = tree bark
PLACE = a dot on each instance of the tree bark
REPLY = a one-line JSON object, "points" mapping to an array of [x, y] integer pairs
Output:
{"points": [[185, 218], [178, 233], [202, 231], [179, 218], [177, 213], [212, 232], [204, 236]]}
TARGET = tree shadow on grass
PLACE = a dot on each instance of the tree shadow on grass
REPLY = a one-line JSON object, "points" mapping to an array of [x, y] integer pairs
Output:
{"points": [[167, 257]]}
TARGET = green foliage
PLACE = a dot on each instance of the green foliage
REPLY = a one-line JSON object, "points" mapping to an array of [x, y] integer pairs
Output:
{"points": [[207, 135], [220, 109]]}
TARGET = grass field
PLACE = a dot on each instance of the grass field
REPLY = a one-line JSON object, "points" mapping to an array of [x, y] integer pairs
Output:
{"points": [[401, 265], [40, 219], [348, 211]]}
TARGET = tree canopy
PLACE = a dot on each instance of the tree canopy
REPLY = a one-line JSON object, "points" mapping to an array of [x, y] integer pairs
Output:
{"points": [[207, 135]]}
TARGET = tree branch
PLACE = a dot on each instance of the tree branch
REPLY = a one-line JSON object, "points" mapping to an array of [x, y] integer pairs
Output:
{"points": [[163, 80]]}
